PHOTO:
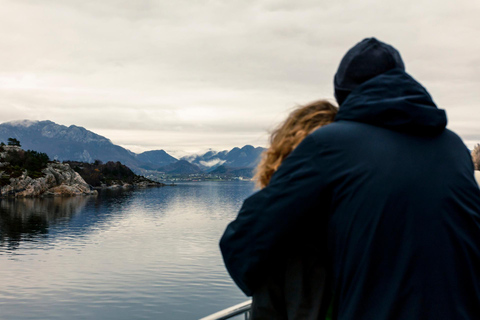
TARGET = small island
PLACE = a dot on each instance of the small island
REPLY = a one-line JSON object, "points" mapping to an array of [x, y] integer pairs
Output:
{"points": [[28, 173]]}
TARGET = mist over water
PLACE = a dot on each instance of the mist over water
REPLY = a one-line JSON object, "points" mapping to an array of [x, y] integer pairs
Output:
{"points": [[139, 254]]}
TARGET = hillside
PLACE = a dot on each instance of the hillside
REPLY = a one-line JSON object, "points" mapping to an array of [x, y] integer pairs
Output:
{"points": [[110, 174], [65, 143], [77, 144]]}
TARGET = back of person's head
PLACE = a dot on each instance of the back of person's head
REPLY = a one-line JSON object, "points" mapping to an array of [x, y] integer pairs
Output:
{"points": [[301, 122], [366, 60]]}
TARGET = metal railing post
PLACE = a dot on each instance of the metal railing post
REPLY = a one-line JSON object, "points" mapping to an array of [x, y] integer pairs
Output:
{"points": [[236, 310]]}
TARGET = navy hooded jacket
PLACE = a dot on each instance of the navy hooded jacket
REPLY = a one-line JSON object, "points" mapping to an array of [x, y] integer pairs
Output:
{"points": [[387, 195]]}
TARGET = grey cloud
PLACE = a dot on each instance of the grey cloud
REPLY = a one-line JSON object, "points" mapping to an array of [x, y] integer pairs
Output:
{"points": [[236, 66]]}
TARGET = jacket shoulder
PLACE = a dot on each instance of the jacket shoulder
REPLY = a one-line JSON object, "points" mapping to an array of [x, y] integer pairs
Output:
{"points": [[338, 130]]}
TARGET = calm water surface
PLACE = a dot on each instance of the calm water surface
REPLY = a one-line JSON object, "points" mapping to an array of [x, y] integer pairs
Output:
{"points": [[140, 254]]}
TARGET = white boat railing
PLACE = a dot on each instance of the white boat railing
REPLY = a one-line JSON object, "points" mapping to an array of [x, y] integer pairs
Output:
{"points": [[236, 310]]}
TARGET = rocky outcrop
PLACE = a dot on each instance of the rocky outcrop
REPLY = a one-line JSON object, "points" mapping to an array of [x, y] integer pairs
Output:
{"points": [[59, 180]]}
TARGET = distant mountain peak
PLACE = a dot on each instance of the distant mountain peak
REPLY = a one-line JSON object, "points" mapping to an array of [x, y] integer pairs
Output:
{"points": [[247, 147], [155, 159]]}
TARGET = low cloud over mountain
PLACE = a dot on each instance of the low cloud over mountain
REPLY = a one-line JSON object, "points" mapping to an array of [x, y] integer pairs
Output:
{"points": [[246, 157]]}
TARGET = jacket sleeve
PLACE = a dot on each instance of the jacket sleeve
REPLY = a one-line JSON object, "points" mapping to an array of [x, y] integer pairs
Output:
{"points": [[270, 217]]}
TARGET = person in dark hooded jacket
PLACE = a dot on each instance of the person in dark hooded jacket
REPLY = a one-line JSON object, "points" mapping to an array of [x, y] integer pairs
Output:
{"points": [[386, 194]]}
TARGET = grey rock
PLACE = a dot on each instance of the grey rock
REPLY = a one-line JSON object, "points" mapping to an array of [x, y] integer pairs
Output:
{"points": [[59, 180]]}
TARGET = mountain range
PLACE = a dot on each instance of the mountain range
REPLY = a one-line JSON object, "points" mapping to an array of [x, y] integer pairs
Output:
{"points": [[246, 157], [76, 143]]}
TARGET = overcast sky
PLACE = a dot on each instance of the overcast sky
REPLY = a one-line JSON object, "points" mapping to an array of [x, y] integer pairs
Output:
{"points": [[185, 76]]}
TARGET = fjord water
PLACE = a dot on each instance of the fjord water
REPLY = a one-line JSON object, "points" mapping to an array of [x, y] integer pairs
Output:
{"points": [[135, 254]]}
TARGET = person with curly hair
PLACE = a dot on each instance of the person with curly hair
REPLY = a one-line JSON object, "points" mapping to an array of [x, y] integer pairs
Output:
{"points": [[295, 290]]}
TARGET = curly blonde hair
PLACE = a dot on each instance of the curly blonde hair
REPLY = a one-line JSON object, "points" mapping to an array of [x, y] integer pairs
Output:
{"points": [[301, 122]]}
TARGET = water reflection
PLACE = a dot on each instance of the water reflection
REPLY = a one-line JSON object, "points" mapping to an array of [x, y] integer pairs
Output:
{"points": [[28, 219], [124, 254], [31, 219]]}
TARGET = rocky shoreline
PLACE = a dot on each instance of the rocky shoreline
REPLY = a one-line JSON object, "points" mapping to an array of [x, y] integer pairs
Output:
{"points": [[58, 180], [29, 174], [142, 184]]}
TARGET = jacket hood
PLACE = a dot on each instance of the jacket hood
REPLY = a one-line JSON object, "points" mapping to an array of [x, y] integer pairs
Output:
{"points": [[396, 101]]}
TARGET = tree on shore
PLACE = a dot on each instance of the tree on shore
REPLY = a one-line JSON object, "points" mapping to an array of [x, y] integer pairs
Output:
{"points": [[476, 157], [18, 161], [13, 142]]}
